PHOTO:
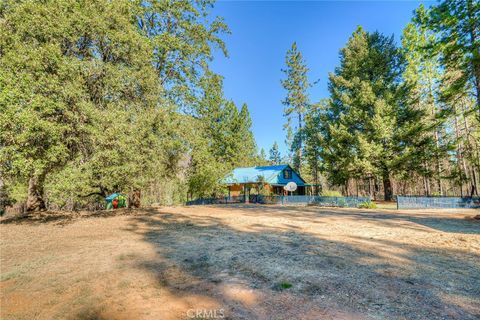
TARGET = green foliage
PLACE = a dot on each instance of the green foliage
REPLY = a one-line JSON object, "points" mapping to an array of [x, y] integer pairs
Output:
{"points": [[363, 129], [285, 285], [456, 22], [313, 142], [296, 101], [275, 156], [409, 116], [116, 96], [260, 187], [368, 205], [221, 139]]}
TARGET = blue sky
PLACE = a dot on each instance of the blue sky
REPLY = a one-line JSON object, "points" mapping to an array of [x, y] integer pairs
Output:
{"points": [[262, 32]]}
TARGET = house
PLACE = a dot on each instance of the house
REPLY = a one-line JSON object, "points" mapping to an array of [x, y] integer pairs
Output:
{"points": [[241, 181]]}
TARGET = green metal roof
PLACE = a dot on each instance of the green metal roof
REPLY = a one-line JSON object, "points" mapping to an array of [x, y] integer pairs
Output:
{"points": [[271, 174]]}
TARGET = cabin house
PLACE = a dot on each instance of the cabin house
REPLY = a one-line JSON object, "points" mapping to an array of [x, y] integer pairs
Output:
{"points": [[244, 181]]}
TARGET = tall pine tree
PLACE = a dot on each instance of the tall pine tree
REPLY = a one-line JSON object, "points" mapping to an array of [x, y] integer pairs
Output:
{"points": [[369, 118], [296, 101], [275, 156]]}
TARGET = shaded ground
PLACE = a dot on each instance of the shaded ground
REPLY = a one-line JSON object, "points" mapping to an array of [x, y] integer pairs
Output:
{"points": [[242, 262]]}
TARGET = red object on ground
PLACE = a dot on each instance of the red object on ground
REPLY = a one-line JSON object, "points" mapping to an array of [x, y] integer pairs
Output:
{"points": [[115, 203]]}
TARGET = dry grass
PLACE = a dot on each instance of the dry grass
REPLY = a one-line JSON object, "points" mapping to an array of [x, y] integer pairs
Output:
{"points": [[243, 262]]}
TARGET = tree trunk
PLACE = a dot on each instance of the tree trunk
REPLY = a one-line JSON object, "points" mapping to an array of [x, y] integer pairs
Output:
{"points": [[376, 189], [459, 150], [4, 198], [387, 186], [35, 193], [370, 193], [300, 142], [474, 190], [436, 135], [134, 199]]}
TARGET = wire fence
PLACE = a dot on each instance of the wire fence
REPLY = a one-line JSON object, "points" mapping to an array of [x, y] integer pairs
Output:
{"points": [[223, 200], [352, 202], [422, 202]]}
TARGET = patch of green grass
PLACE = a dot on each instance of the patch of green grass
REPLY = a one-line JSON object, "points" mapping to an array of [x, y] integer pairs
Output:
{"points": [[368, 205], [285, 285]]}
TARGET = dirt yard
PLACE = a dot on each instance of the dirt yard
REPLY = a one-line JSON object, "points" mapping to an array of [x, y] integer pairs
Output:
{"points": [[242, 262]]}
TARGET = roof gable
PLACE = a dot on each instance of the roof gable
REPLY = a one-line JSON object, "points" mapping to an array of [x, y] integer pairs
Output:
{"points": [[271, 174]]}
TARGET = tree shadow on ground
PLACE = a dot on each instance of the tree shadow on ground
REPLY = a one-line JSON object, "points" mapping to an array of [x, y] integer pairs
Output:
{"points": [[367, 278], [418, 219], [65, 217]]}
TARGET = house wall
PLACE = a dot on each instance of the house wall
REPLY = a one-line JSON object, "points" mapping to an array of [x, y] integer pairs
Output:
{"points": [[235, 190], [268, 187]]}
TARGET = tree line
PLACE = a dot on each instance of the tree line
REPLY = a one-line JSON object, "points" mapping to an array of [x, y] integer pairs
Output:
{"points": [[114, 96], [99, 97], [398, 119]]}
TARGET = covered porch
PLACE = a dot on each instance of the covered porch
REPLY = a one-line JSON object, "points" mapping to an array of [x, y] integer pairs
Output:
{"points": [[247, 189]]}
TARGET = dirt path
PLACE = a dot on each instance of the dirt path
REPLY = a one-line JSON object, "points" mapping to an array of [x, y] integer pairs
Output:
{"points": [[243, 262]]}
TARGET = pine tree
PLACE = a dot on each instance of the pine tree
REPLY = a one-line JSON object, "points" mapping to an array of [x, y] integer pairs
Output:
{"points": [[275, 156], [296, 84], [369, 117], [262, 155], [423, 73], [457, 23], [314, 131]]}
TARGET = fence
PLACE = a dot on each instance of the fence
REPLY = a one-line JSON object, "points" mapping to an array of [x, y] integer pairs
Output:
{"points": [[414, 202], [224, 200], [352, 202]]}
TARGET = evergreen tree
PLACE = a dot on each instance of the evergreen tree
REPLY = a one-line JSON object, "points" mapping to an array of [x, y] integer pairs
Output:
{"points": [[246, 145], [457, 23], [296, 84], [314, 131], [275, 156], [224, 141], [423, 73], [445, 38], [369, 119], [263, 155]]}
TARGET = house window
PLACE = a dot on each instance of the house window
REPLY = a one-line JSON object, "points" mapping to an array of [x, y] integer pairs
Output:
{"points": [[287, 174]]}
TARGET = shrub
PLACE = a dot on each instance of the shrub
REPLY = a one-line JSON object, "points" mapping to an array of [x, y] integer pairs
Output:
{"points": [[368, 205], [331, 193]]}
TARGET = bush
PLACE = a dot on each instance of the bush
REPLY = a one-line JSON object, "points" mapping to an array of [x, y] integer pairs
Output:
{"points": [[331, 193], [368, 205]]}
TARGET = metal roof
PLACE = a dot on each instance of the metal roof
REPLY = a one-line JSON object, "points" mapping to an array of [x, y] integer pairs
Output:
{"points": [[271, 174]]}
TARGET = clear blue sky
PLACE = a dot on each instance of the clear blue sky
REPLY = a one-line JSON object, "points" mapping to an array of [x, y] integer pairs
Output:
{"points": [[262, 32]]}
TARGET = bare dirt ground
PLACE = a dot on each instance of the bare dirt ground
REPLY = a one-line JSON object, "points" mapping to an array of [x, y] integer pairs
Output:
{"points": [[242, 262]]}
